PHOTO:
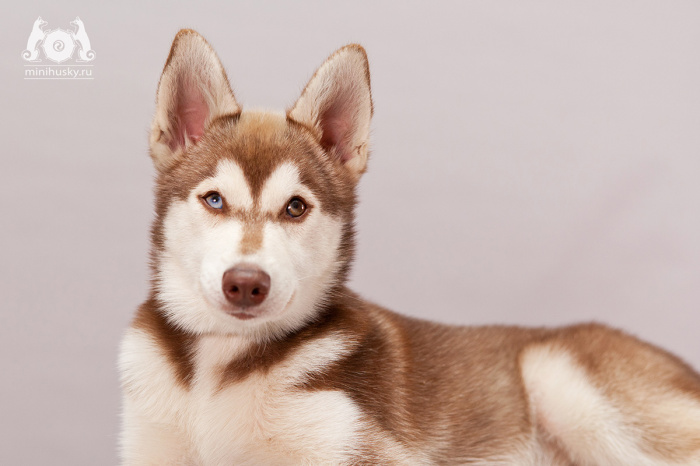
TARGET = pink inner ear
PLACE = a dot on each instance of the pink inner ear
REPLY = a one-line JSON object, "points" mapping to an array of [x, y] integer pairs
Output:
{"points": [[336, 126], [192, 112]]}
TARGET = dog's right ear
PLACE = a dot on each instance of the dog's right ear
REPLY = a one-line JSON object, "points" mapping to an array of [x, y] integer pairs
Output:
{"points": [[193, 90]]}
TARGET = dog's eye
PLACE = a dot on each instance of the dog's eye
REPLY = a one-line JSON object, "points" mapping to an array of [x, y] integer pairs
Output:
{"points": [[296, 207], [214, 200]]}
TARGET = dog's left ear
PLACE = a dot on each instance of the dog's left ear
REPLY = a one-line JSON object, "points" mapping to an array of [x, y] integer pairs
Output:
{"points": [[337, 105]]}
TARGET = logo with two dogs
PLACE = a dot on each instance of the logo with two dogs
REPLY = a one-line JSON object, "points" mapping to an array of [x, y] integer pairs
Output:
{"points": [[58, 46]]}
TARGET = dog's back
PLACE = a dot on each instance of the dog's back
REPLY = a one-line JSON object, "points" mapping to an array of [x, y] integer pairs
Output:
{"points": [[251, 350]]}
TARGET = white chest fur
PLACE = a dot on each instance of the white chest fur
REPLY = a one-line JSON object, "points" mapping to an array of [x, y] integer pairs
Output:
{"points": [[262, 419]]}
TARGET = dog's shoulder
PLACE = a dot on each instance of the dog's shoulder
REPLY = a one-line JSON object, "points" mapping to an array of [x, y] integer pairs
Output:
{"points": [[151, 333]]}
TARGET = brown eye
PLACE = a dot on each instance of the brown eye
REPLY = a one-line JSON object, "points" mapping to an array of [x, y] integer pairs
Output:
{"points": [[296, 207]]}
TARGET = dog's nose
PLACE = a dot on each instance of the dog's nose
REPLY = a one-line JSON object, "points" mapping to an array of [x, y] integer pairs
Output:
{"points": [[245, 285]]}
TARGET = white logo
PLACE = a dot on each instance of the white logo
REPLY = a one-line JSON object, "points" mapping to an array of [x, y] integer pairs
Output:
{"points": [[37, 35], [58, 46]]}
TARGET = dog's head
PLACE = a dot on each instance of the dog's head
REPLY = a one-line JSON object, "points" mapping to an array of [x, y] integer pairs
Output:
{"points": [[254, 225]]}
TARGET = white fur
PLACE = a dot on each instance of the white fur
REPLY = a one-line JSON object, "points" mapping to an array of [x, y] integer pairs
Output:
{"points": [[231, 183], [283, 181], [154, 404], [300, 257], [260, 420], [573, 410]]}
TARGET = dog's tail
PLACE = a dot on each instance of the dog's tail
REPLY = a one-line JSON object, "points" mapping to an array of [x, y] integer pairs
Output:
{"points": [[89, 56]]}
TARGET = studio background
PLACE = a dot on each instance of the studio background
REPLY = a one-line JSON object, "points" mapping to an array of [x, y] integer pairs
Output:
{"points": [[532, 163]]}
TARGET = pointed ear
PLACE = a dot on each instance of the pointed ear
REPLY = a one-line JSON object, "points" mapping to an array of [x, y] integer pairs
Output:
{"points": [[337, 105], [193, 90]]}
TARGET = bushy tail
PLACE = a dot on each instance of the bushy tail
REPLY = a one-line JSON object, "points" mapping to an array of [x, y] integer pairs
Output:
{"points": [[87, 56]]}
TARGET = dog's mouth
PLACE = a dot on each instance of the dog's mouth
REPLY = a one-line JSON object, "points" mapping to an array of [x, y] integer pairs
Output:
{"points": [[242, 315], [256, 311]]}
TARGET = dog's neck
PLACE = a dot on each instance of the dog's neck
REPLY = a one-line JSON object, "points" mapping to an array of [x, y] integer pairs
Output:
{"points": [[342, 310]]}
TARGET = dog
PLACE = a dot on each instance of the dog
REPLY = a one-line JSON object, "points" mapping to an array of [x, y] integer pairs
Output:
{"points": [[31, 53], [80, 36], [250, 350]]}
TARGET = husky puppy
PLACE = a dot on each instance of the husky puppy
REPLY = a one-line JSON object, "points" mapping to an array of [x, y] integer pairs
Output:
{"points": [[250, 350]]}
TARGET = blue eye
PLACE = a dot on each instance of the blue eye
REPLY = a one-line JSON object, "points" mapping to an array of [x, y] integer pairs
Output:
{"points": [[214, 200]]}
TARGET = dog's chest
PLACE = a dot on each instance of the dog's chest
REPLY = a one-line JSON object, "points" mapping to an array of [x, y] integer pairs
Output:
{"points": [[265, 417]]}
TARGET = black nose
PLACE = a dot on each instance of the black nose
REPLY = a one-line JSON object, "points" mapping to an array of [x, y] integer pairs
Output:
{"points": [[245, 285]]}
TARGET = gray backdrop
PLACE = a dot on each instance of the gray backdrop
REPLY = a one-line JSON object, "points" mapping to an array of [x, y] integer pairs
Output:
{"points": [[533, 163]]}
